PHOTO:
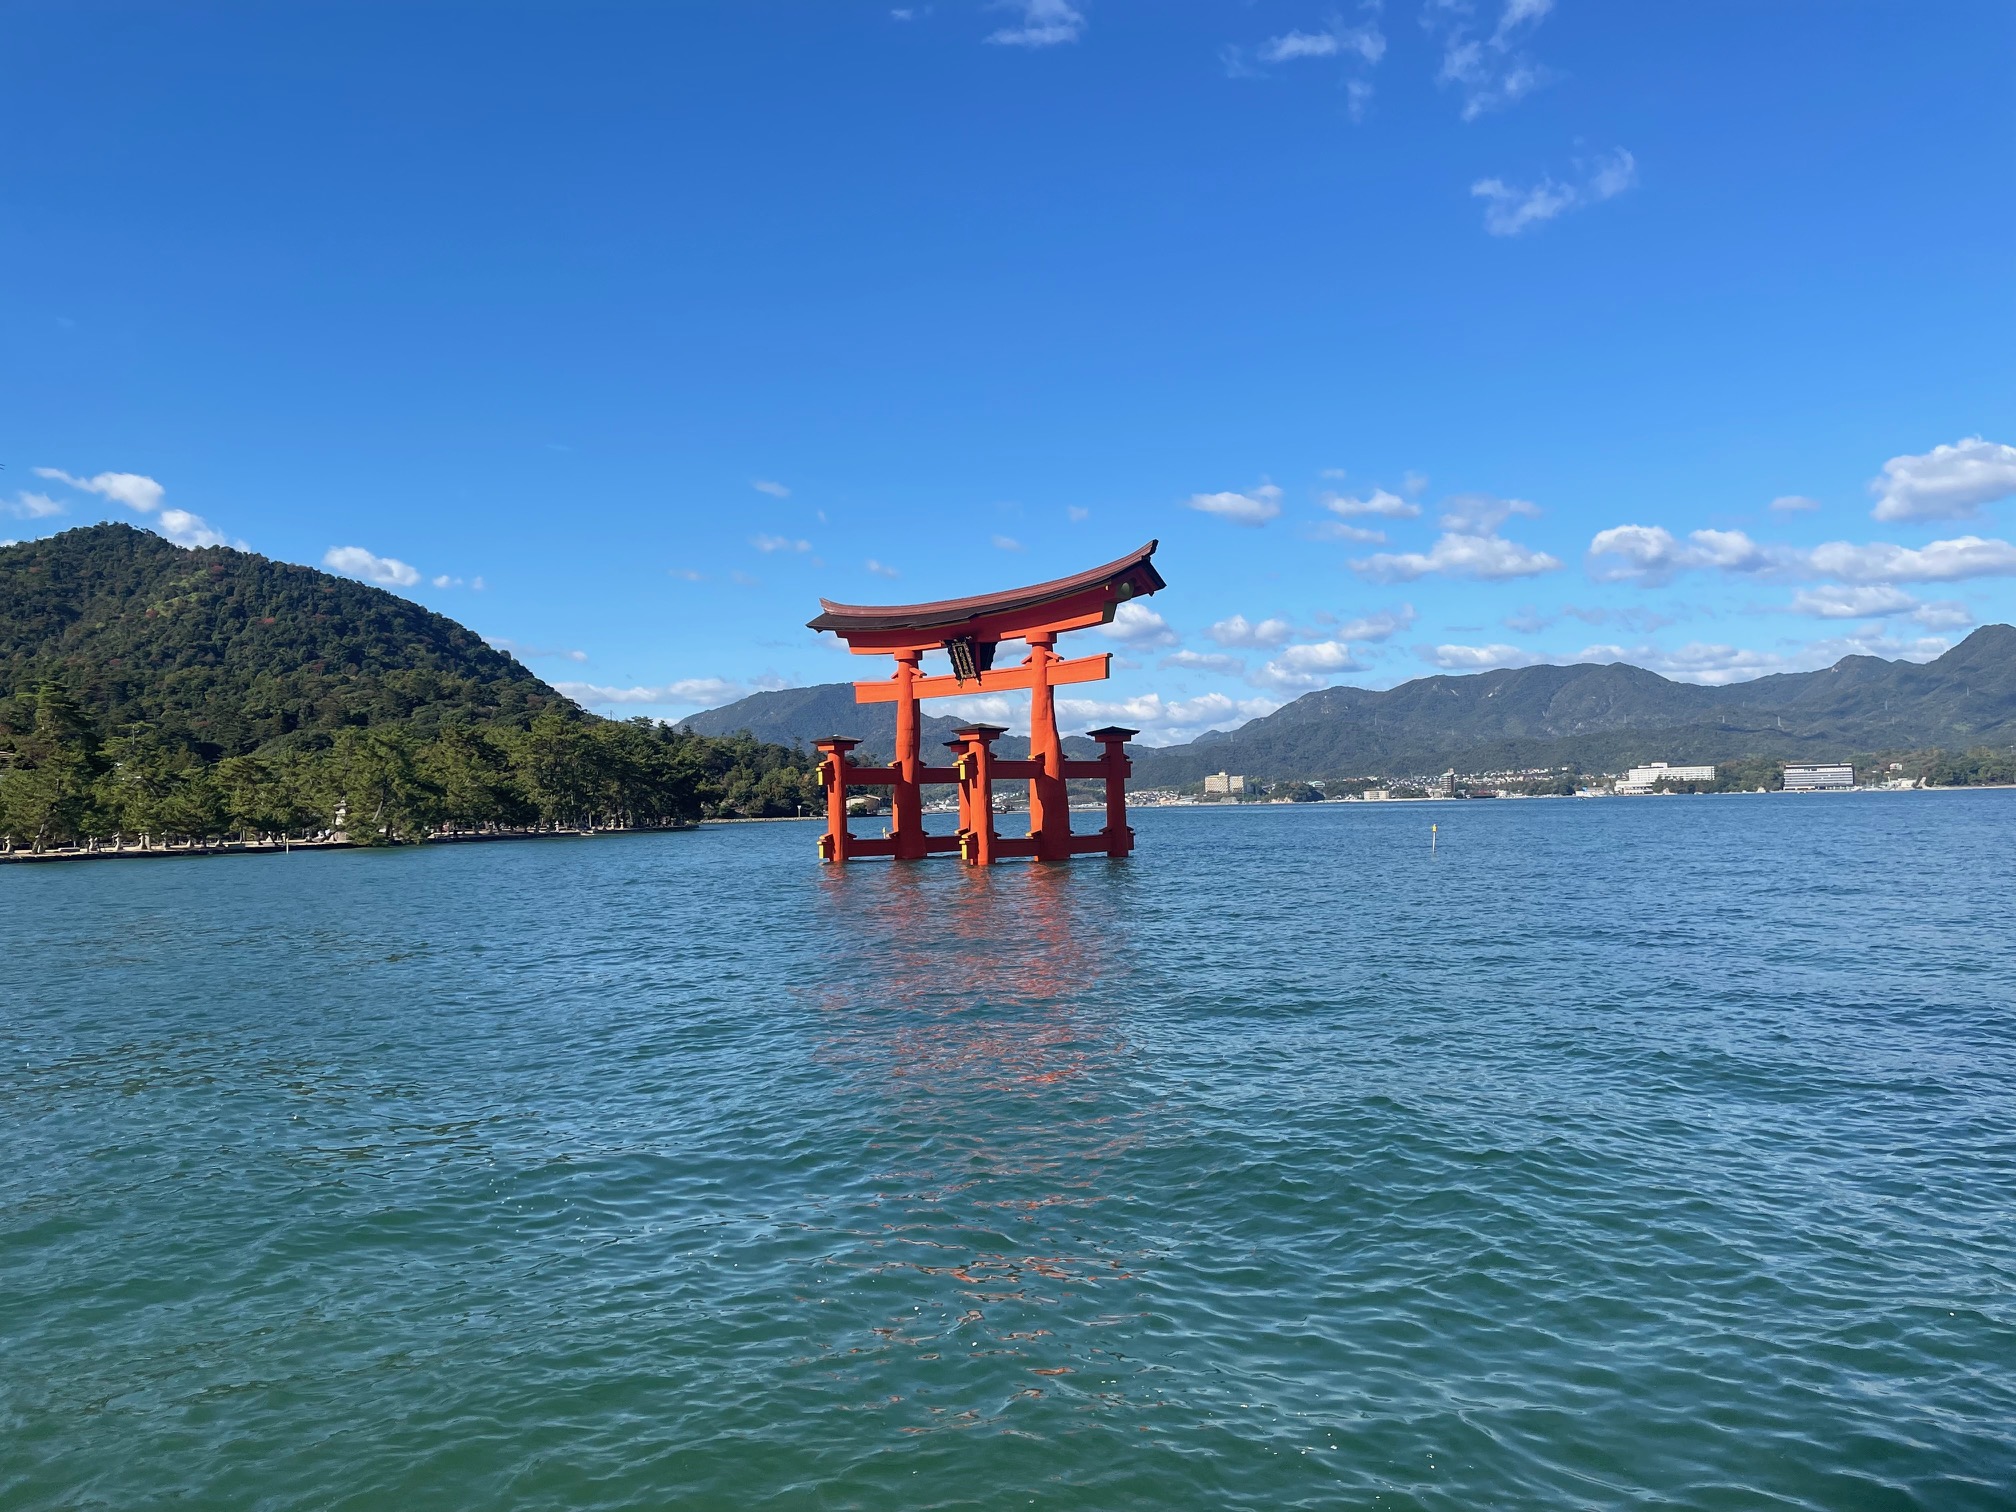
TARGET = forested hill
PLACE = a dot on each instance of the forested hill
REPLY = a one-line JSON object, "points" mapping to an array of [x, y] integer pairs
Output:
{"points": [[149, 690], [226, 651]]}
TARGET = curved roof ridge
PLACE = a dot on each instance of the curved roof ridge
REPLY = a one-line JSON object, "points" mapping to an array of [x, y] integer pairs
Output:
{"points": [[1135, 565]]}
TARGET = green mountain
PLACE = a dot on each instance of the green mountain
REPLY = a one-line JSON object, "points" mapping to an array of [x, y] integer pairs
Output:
{"points": [[1595, 717], [226, 651], [151, 691]]}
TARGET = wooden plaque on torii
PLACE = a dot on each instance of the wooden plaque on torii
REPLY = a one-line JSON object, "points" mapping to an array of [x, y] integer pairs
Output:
{"points": [[970, 631]]}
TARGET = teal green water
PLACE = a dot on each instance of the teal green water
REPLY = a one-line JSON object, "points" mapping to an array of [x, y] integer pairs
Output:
{"points": [[1627, 1154]]}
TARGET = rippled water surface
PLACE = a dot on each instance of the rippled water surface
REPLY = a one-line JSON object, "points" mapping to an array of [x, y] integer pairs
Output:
{"points": [[1651, 1153]]}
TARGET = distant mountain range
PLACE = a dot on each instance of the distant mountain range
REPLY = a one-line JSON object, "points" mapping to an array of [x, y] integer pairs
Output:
{"points": [[1595, 717], [225, 652]]}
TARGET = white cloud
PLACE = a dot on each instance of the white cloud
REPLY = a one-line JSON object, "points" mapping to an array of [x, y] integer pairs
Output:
{"points": [[880, 569], [1237, 631], [1476, 658], [990, 708], [1649, 554], [766, 486], [355, 561], [1457, 554], [1944, 614], [1076, 514], [1256, 506], [30, 506], [1045, 23], [1378, 502], [1309, 665], [1006, 543], [1338, 530], [1296, 44], [1793, 504], [1482, 514], [1205, 661], [769, 543], [1377, 627], [1879, 601], [1509, 210], [1645, 553], [1946, 483], [1138, 625], [687, 574], [1469, 546], [1490, 70], [695, 691], [1366, 42], [1939, 562], [186, 529], [1161, 721], [131, 489], [1833, 601]]}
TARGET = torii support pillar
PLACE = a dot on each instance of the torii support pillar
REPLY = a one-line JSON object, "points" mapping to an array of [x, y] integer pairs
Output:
{"points": [[1113, 757], [975, 766], [906, 839]]}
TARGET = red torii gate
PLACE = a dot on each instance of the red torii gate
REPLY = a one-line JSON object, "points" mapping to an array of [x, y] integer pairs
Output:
{"points": [[970, 630]]}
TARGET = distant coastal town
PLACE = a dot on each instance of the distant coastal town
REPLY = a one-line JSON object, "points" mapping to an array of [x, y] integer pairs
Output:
{"points": [[1651, 780]]}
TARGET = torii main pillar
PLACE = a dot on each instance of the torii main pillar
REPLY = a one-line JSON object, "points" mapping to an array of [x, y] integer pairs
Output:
{"points": [[970, 631]]}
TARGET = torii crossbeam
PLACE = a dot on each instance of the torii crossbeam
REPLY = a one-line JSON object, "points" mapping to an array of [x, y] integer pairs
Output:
{"points": [[970, 630]]}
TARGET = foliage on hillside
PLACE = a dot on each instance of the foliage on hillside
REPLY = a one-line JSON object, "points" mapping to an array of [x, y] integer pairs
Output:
{"points": [[62, 782], [224, 652], [1977, 768], [146, 689]]}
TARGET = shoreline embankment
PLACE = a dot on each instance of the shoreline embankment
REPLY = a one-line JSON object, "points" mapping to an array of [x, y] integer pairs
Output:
{"points": [[192, 851]]}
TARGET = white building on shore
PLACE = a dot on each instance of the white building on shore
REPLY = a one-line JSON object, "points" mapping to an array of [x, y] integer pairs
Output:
{"points": [[1640, 779], [1818, 776]]}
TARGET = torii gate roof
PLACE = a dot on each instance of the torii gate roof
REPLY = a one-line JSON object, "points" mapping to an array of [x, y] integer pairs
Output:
{"points": [[994, 616]]}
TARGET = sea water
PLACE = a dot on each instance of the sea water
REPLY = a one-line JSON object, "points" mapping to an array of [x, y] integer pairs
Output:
{"points": [[1641, 1153]]}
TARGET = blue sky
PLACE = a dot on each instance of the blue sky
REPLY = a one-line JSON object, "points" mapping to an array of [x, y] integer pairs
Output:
{"points": [[1425, 336]]}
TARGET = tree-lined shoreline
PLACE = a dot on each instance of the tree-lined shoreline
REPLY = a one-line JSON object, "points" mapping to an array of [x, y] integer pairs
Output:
{"points": [[63, 784]]}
